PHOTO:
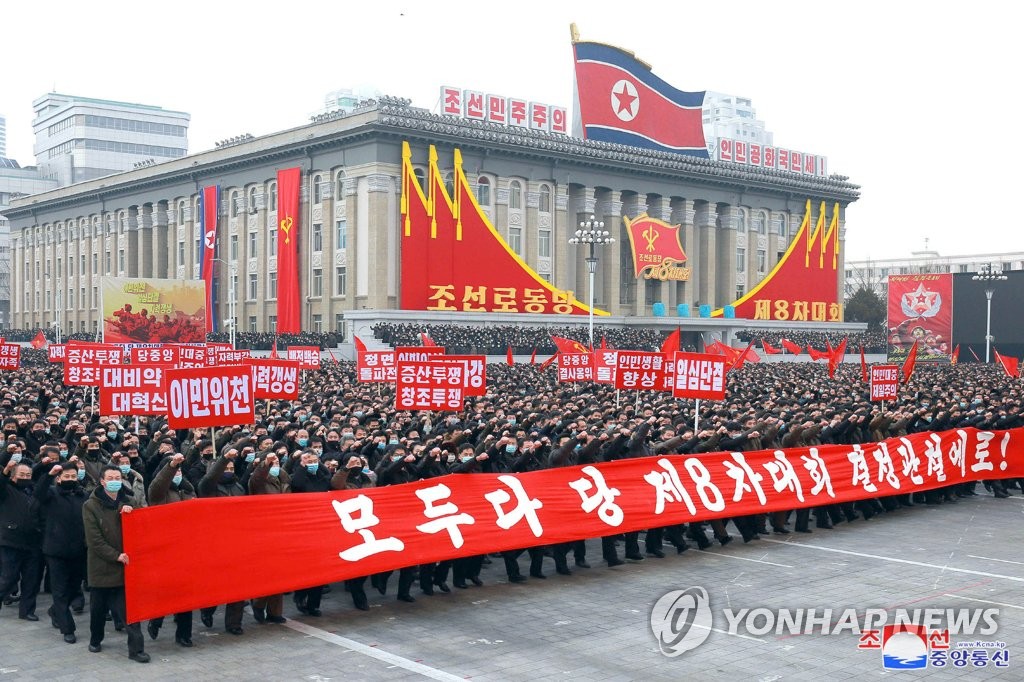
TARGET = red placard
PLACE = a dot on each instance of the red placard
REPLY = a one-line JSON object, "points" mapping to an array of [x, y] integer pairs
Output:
{"points": [[885, 382], [605, 362], [640, 371], [10, 356], [575, 367], [274, 379], [351, 533], [192, 356], [308, 356], [136, 390], [233, 357], [156, 355], [80, 353], [698, 375], [426, 385], [920, 311], [417, 353], [375, 367], [56, 352], [209, 396], [471, 368], [82, 374]]}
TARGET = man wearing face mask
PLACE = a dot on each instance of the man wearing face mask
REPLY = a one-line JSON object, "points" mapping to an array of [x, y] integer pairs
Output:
{"points": [[20, 538], [61, 496], [268, 478], [221, 481], [396, 468], [170, 485], [310, 476], [101, 517], [131, 479]]}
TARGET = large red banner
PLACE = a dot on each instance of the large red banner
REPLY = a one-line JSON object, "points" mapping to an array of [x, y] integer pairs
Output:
{"points": [[455, 260], [209, 211], [920, 310], [289, 302], [209, 396], [352, 533]]}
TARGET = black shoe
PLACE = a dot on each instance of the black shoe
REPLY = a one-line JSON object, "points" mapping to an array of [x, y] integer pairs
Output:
{"points": [[408, 598], [12, 599], [183, 641], [207, 619], [476, 581], [703, 542], [234, 631], [635, 557], [141, 657], [315, 613], [827, 525], [582, 563], [781, 531], [119, 627], [29, 616], [517, 579], [615, 562], [70, 638], [538, 574], [563, 570], [724, 540], [259, 614], [276, 620], [656, 553], [427, 590], [461, 584], [682, 548], [1001, 494], [803, 529], [153, 630], [381, 586], [95, 648], [443, 587], [360, 603]]}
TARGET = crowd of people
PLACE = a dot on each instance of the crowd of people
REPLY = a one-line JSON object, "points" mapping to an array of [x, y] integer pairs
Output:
{"points": [[873, 341], [69, 473], [523, 340], [243, 340]]}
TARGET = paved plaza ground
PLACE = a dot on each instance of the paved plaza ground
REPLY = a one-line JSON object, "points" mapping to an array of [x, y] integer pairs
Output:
{"points": [[595, 624]]}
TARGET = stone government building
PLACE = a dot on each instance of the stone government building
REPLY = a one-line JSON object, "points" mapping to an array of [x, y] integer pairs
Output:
{"points": [[536, 187]]}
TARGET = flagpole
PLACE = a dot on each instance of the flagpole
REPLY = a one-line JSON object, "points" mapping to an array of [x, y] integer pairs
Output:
{"points": [[696, 415]]}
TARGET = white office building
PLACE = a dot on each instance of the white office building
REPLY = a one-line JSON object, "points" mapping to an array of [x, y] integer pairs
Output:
{"points": [[80, 138], [3, 136], [733, 118], [873, 273]]}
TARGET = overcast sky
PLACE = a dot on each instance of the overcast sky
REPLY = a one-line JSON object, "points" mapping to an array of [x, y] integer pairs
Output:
{"points": [[903, 97]]}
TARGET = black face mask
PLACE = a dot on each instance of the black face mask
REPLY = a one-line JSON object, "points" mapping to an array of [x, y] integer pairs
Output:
{"points": [[227, 477], [68, 486], [25, 484]]}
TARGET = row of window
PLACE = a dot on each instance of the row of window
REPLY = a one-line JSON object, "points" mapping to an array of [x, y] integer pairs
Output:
{"points": [[130, 148], [133, 126]]}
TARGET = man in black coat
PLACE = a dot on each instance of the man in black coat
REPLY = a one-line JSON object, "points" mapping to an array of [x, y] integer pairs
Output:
{"points": [[311, 476], [20, 538], [60, 496]]}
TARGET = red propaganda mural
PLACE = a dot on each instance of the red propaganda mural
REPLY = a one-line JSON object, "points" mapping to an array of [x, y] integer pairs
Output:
{"points": [[656, 249], [453, 258], [803, 285], [920, 310]]}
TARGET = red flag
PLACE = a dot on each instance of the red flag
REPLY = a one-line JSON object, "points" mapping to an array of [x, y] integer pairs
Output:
{"points": [[1010, 364], [863, 365], [739, 357], [425, 339], [955, 357], [908, 364], [836, 357], [769, 349], [568, 345], [289, 301], [671, 342], [332, 354], [548, 362], [360, 346], [791, 347], [533, 356], [818, 354], [828, 347], [604, 343], [508, 356], [976, 358], [39, 341]]}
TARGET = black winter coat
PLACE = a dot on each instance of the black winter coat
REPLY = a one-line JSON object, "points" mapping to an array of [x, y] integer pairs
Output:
{"points": [[63, 530], [19, 517]]}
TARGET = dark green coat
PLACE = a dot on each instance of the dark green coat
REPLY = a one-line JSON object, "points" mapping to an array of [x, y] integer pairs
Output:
{"points": [[102, 519]]}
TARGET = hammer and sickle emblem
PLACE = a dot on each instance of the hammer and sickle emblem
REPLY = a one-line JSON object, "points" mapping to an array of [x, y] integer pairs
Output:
{"points": [[651, 235], [286, 227]]}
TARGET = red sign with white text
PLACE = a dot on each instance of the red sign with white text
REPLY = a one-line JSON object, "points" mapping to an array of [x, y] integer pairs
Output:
{"points": [[699, 375], [575, 367], [350, 533], [10, 356], [80, 353], [605, 362], [308, 356], [470, 369], [136, 390], [274, 379], [55, 352], [640, 371], [426, 385], [885, 382], [375, 367], [209, 396], [156, 355]]}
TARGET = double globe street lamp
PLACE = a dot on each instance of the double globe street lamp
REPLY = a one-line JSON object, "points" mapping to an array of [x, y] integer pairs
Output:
{"points": [[989, 276], [593, 234]]}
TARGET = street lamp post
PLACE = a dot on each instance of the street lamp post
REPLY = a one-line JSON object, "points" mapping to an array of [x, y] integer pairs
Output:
{"points": [[593, 234], [56, 313], [990, 276], [231, 297]]}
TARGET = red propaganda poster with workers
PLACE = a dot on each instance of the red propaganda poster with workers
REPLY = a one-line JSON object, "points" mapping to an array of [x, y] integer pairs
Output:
{"points": [[139, 310], [921, 311]]}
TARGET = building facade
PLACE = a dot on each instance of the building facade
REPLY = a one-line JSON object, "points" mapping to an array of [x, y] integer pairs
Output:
{"points": [[873, 274], [79, 138], [734, 118], [535, 188], [3, 136]]}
